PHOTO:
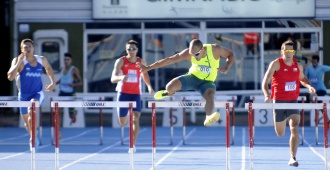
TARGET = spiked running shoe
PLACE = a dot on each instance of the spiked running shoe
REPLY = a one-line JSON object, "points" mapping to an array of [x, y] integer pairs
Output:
{"points": [[161, 95], [293, 162], [209, 120]]}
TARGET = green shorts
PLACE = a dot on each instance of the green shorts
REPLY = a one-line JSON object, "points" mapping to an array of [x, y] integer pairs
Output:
{"points": [[191, 82]]}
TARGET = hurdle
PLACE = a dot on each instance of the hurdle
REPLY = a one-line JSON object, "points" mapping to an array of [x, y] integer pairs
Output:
{"points": [[92, 104], [72, 98], [33, 104], [149, 97], [251, 106], [260, 99], [15, 98], [217, 98], [317, 120], [174, 104]]}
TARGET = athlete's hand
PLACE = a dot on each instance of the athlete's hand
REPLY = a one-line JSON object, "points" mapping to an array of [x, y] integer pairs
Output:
{"points": [[223, 70], [268, 99], [142, 67], [20, 58], [311, 90], [50, 87], [151, 90]]}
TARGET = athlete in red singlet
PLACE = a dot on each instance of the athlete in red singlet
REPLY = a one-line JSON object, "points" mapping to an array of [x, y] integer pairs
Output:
{"points": [[127, 75], [286, 75]]}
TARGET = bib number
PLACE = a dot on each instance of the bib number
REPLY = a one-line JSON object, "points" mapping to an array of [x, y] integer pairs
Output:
{"points": [[204, 69], [313, 79], [290, 86]]}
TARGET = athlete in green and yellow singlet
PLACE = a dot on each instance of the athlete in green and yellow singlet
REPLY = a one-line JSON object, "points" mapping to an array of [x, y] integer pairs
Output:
{"points": [[205, 59]]}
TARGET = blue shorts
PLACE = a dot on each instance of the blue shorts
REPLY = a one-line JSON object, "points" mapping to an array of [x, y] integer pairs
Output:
{"points": [[123, 111], [282, 114], [66, 94], [191, 82], [27, 97]]}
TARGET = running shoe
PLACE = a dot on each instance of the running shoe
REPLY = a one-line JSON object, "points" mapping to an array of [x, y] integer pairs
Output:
{"points": [[209, 120], [293, 162], [134, 149], [161, 94]]}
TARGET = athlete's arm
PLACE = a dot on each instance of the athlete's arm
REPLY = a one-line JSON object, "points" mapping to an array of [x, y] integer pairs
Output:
{"points": [[226, 53], [272, 68], [76, 75], [15, 68], [50, 73], [116, 77], [304, 81], [146, 79], [183, 55]]}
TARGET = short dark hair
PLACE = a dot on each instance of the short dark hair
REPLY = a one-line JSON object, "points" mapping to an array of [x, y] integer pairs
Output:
{"points": [[316, 57], [196, 42], [290, 43], [132, 42], [67, 55], [26, 40]]}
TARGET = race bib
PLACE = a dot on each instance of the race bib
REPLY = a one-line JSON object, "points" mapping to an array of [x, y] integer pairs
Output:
{"points": [[132, 76], [290, 86], [204, 69], [313, 80], [66, 88]]}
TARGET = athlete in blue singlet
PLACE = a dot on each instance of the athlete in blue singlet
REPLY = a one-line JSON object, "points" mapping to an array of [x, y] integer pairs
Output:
{"points": [[315, 73], [27, 70], [70, 78]]}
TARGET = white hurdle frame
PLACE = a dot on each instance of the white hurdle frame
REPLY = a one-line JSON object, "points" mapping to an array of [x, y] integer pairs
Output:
{"points": [[33, 104], [250, 106], [216, 98], [315, 100], [15, 98], [173, 104], [302, 115], [75, 98], [149, 97], [96, 104]]}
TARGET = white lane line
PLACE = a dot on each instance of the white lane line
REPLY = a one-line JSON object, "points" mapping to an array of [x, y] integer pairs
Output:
{"points": [[81, 159], [100, 151], [314, 151], [16, 137], [243, 150], [43, 146], [78, 135], [174, 149]]}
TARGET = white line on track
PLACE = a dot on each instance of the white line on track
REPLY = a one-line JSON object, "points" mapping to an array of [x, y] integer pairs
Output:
{"points": [[174, 149], [43, 146], [314, 151], [102, 150], [95, 153], [17, 137]]}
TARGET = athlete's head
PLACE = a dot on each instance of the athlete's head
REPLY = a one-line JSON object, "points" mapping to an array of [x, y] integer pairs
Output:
{"points": [[131, 47], [27, 46], [195, 47], [315, 60], [288, 49]]}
